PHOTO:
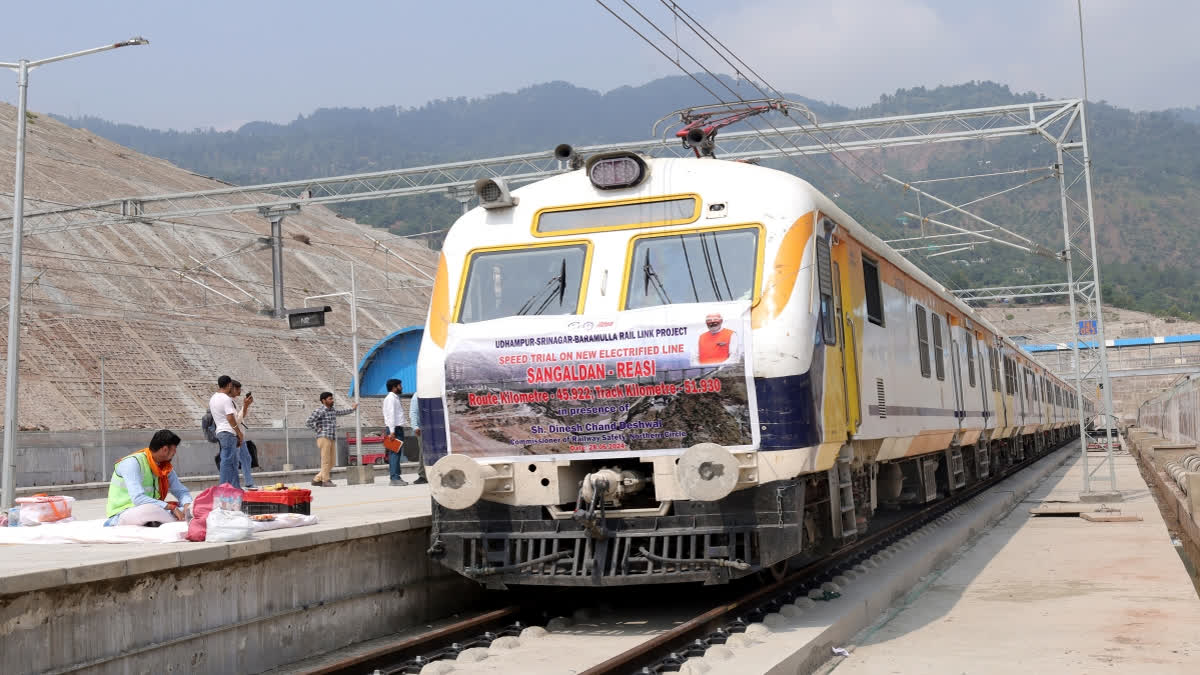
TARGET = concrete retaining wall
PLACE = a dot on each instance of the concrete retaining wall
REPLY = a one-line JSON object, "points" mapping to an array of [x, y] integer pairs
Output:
{"points": [[1181, 512], [244, 615]]}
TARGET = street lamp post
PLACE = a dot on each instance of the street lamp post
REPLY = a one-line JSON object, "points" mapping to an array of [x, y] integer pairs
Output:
{"points": [[22, 67], [287, 438], [353, 295]]}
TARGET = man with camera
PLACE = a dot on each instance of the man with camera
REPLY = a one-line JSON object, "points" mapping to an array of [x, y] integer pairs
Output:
{"points": [[239, 415]]}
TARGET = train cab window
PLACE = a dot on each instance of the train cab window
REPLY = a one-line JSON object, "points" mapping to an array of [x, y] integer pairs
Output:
{"points": [[529, 281], [971, 359], [874, 291], [825, 286], [939, 357], [923, 341], [711, 266]]}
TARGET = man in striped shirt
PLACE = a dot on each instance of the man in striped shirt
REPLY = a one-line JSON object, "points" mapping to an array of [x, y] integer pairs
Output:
{"points": [[323, 422]]}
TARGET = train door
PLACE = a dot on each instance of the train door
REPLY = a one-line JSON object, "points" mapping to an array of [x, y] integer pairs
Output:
{"points": [[955, 369], [976, 363], [849, 347]]}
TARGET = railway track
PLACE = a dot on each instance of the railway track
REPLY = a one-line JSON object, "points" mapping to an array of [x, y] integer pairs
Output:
{"points": [[667, 651]]}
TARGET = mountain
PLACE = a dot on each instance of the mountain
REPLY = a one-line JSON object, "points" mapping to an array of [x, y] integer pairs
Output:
{"points": [[162, 309], [1146, 169], [1187, 114]]}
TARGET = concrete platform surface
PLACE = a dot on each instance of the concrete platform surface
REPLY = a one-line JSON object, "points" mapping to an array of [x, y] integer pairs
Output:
{"points": [[346, 512], [1048, 595]]}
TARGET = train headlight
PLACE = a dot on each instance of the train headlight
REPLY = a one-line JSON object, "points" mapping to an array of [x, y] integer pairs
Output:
{"points": [[493, 194], [615, 170]]}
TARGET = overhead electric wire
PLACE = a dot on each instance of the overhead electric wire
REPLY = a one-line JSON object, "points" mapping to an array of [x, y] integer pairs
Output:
{"points": [[697, 27], [675, 9], [708, 72], [946, 278]]}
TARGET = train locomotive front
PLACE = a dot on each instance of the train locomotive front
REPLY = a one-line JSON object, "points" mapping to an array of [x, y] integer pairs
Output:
{"points": [[647, 371]]}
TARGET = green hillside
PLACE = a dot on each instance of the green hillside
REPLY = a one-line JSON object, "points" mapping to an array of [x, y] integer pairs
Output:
{"points": [[1147, 170]]}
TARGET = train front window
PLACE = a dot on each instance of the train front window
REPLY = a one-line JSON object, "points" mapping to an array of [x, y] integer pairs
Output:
{"points": [[714, 266], [526, 282]]}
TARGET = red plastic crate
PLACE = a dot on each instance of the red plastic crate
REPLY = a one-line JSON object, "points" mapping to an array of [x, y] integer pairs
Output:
{"points": [[255, 502], [259, 508], [286, 497]]}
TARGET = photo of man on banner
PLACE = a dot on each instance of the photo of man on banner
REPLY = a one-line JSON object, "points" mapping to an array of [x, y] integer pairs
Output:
{"points": [[716, 344]]}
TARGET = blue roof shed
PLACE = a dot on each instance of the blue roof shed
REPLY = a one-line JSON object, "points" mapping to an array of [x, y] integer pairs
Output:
{"points": [[393, 356]]}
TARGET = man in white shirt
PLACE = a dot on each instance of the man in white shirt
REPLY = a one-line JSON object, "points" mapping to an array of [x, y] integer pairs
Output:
{"points": [[229, 433], [393, 416]]}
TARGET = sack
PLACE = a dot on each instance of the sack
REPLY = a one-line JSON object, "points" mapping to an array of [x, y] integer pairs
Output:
{"points": [[197, 527], [209, 427], [227, 498], [44, 509], [225, 525], [253, 454]]}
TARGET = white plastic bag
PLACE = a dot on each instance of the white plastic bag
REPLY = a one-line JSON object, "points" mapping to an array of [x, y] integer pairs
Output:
{"points": [[227, 526]]}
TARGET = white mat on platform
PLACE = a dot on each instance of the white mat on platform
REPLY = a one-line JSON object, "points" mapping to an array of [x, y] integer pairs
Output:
{"points": [[93, 532]]}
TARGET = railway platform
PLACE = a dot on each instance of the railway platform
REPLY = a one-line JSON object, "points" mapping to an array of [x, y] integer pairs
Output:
{"points": [[245, 606], [1038, 594]]}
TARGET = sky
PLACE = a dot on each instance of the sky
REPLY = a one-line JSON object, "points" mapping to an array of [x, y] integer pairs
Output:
{"points": [[221, 64]]}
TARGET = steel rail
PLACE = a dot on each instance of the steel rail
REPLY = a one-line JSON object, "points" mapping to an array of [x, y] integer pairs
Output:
{"points": [[394, 658], [671, 647]]}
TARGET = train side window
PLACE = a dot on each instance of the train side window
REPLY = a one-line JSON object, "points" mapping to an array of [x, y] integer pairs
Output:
{"points": [[995, 368], [939, 358], [923, 341], [971, 359], [874, 291], [825, 286]]}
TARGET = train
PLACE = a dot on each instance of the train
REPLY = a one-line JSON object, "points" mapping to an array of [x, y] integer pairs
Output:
{"points": [[671, 370]]}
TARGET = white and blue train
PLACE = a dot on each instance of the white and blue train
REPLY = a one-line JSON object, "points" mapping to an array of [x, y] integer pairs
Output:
{"points": [[671, 370]]}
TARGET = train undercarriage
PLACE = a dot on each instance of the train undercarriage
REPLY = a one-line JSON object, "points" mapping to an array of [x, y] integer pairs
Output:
{"points": [[764, 529]]}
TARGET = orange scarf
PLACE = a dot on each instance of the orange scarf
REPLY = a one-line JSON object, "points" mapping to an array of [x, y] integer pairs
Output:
{"points": [[161, 471]]}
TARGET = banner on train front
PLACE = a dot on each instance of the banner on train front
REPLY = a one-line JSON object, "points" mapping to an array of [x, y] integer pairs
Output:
{"points": [[643, 382]]}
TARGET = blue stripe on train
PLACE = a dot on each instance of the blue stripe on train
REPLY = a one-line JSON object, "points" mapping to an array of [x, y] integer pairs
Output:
{"points": [[433, 430], [787, 415]]}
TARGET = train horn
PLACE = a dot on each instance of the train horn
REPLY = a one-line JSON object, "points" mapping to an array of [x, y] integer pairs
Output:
{"points": [[563, 152]]}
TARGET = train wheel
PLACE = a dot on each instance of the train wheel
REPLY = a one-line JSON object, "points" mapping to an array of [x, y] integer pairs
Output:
{"points": [[775, 572]]}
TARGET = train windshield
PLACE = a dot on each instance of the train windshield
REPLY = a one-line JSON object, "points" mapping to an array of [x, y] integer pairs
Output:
{"points": [[715, 266], [529, 282]]}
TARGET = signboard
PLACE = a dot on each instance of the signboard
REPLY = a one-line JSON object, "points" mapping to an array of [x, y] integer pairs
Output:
{"points": [[642, 382], [1087, 327], [307, 318]]}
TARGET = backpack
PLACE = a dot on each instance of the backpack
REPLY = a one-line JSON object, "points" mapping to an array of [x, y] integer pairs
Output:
{"points": [[209, 427]]}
